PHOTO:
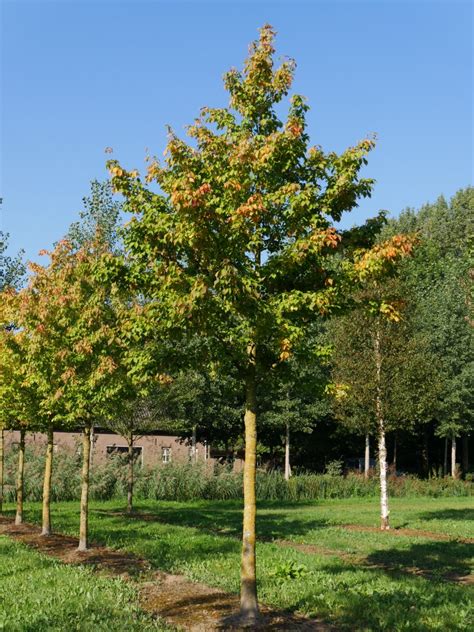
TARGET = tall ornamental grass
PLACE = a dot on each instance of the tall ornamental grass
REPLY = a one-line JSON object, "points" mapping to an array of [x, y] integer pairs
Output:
{"points": [[186, 481]]}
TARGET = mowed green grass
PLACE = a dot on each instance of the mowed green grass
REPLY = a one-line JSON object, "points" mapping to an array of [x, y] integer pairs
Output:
{"points": [[39, 593], [358, 580]]}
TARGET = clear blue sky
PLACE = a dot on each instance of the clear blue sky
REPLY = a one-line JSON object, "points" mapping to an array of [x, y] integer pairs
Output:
{"points": [[79, 76]]}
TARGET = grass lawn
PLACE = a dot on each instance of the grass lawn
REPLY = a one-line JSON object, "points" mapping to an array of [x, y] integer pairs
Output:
{"points": [[356, 579], [39, 593]]}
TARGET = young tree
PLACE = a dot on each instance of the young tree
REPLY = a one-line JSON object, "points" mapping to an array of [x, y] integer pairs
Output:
{"points": [[293, 398], [384, 377], [135, 416], [12, 271], [74, 343], [18, 399], [237, 245]]}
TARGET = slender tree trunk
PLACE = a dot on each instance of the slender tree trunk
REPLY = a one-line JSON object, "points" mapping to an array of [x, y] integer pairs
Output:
{"points": [[248, 576], [453, 456], [384, 511], [2, 466], [465, 454], [445, 463], [130, 476], [84, 518], [193, 446], [367, 456], [287, 453], [20, 479], [48, 471]]}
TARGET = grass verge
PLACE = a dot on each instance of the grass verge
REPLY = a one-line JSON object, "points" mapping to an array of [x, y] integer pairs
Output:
{"points": [[392, 582]]}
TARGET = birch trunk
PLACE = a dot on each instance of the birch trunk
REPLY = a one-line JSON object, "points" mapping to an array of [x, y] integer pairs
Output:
{"points": [[193, 446], [2, 466], [20, 479], [453, 457], [48, 471], [248, 576], [130, 479], [384, 511], [287, 453], [367, 456], [84, 517]]}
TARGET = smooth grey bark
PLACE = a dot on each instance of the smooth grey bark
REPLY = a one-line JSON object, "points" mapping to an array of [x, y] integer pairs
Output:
{"points": [[367, 456], [287, 453]]}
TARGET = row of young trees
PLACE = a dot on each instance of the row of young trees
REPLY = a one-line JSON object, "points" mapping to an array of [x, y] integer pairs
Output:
{"points": [[223, 280]]}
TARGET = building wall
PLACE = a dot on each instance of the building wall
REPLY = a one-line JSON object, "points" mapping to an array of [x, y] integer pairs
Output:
{"points": [[151, 445]]}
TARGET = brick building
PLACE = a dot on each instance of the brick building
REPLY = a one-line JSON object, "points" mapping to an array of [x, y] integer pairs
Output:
{"points": [[151, 449]]}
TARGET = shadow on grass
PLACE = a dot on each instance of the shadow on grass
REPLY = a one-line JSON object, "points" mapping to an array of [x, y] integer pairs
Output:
{"points": [[366, 602], [448, 514], [222, 521], [449, 559]]}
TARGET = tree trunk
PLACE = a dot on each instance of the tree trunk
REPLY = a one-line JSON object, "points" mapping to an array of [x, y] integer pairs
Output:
{"points": [[84, 518], [465, 454], [2, 466], [287, 453], [48, 471], [193, 447], [130, 476], [384, 511], [20, 479], [394, 462], [453, 457], [248, 576], [445, 463], [367, 456]]}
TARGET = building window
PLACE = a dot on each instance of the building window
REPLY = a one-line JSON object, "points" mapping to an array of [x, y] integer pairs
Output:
{"points": [[166, 455]]}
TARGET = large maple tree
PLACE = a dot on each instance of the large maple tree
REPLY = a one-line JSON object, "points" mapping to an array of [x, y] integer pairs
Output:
{"points": [[238, 242]]}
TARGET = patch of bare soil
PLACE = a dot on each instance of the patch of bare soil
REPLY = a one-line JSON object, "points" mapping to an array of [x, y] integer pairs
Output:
{"points": [[199, 608], [181, 603], [64, 548]]}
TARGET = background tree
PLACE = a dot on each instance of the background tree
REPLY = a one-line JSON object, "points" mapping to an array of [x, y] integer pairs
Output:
{"points": [[293, 400], [438, 279], [133, 417], [12, 271], [384, 376], [100, 214], [237, 245]]}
